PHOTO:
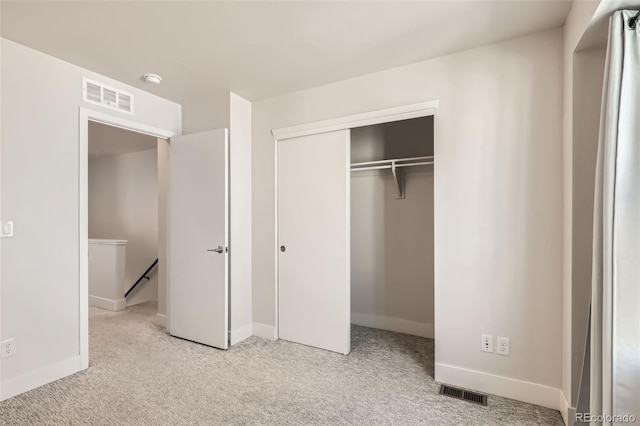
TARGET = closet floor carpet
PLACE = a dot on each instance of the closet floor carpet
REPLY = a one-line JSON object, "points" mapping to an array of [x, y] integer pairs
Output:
{"points": [[139, 375]]}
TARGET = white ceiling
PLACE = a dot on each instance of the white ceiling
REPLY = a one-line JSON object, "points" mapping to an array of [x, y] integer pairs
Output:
{"points": [[105, 141], [264, 48]]}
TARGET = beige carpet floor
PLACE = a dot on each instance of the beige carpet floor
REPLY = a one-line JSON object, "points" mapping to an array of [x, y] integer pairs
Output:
{"points": [[139, 375]]}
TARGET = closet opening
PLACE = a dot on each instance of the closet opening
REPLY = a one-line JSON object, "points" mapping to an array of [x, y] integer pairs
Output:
{"points": [[392, 235], [355, 244]]}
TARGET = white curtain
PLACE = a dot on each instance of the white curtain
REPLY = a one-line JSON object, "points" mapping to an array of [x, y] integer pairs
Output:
{"points": [[615, 299]]}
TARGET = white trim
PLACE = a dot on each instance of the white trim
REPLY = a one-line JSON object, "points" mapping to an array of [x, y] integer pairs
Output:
{"points": [[265, 331], [571, 415], [161, 320], [238, 335], [507, 387], [405, 112], [277, 249], [83, 234], [34, 379], [227, 228], [108, 304], [347, 277], [398, 325], [567, 411], [122, 123], [86, 115]]}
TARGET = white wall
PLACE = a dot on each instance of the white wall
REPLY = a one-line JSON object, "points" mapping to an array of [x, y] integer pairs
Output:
{"points": [[123, 204], [240, 215], [107, 261], [39, 166], [205, 111], [392, 253], [498, 203], [392, 239]]}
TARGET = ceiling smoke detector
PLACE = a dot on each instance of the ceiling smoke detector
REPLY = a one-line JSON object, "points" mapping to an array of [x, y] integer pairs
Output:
{"points": [[150, 78]]}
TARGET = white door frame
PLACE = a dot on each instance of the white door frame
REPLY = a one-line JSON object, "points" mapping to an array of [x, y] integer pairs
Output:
{"points": [[87, 115], [387, 115]]}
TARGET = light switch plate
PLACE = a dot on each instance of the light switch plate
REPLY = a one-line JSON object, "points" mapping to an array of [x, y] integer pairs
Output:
{"points": [[6, 230]]}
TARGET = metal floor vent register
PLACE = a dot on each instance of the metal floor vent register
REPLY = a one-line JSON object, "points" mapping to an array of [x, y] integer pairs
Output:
{"points": [[476, 398]]}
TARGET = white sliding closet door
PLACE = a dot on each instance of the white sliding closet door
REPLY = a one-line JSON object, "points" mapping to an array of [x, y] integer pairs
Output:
{"points": [[314, 238], [198, 238]]}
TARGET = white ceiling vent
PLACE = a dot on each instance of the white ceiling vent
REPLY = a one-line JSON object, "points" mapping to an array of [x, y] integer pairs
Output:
{"points": [[98, 93]]}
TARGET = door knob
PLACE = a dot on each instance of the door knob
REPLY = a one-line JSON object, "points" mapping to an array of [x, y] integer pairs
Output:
{"points": [[283, 248], [218, 250]]}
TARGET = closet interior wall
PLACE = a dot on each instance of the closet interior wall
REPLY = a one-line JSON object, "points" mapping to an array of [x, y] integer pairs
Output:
{"points": [[392, 255]]}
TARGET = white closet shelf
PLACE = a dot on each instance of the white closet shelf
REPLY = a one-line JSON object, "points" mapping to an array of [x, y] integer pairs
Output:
{"points": [[393, 164]]}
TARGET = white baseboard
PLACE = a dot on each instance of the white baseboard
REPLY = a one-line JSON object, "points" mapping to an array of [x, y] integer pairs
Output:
{"points": [[266, 331], [568, 412], [520, 390], [108, 304], [161, 320], [393, 324], [570, 415], [239, 334], [34, 379]]}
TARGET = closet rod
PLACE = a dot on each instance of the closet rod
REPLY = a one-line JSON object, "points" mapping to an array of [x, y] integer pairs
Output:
{"points": [[426, 163], [357, 169]]}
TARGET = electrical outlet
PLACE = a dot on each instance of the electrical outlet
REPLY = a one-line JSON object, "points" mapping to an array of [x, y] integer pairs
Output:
{"points": [[486, 343], [7, 348], [503, 346]]}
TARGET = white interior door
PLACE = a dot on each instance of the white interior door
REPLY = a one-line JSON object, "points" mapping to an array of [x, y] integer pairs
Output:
{"points": [[313, 226], [198, 237]]}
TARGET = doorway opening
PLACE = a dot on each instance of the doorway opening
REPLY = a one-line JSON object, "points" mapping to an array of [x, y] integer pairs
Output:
{"points": [[392, 234], [123, 212], [161, 136]]}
